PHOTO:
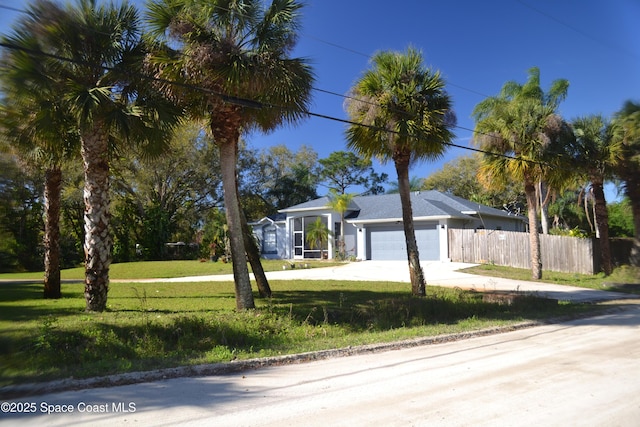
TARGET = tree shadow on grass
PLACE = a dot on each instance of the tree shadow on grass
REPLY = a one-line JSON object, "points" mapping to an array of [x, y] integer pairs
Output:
{"points": [[146, 343], [368, 310]]}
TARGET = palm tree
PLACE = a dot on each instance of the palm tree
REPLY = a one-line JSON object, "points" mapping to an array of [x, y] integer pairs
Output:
{"points": [[317, 235], [238, 54], [340, 203], [594, 154], [401, 112], [521, 126], [90, 56], [37, 130], [415, 184], [627, 122]]}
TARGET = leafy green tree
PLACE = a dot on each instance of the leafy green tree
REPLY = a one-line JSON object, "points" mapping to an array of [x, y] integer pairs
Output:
{"points": [[594, 154], [214, 237], [404, 115], [72, 216], [276, 178], [297, 186], [522, 127], [343, 169], [620, 219], [239, 54], [21, 211], [89, 56], [163, 199], [566, 210], [627, 121], [460, 178]]}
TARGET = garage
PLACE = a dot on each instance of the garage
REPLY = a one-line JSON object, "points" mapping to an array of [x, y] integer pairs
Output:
{"points": [[388, 242]]}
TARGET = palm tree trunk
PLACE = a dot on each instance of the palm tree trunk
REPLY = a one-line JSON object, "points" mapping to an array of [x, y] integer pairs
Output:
{"points": [[632, 186], [544, 207], [587, 212], [534, 237], [253, 255], [52, 191], [418, 283], [602, 222], [228, 158], [97, 241]]}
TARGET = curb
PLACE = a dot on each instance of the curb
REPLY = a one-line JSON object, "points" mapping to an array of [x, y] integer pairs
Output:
{"points": [[225, 368]]}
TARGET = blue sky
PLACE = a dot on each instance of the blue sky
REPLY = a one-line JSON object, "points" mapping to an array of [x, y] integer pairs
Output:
{"points": [[477, 45]]}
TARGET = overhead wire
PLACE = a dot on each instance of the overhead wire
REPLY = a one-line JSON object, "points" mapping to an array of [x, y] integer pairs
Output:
{"points": [[578, 31], [257, 104], [251, 103]]}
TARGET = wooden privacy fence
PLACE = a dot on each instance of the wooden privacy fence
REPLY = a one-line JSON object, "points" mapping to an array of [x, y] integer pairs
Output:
{"points": [[511, 248]]}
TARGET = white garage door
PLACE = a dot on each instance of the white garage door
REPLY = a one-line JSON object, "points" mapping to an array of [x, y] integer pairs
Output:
{"points": [[388, 243]]}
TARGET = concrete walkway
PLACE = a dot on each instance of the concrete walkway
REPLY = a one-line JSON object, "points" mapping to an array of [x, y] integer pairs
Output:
{"points": [[436, 273]]}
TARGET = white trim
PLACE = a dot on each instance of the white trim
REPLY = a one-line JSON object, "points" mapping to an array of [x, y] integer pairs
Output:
{"points": [[266, 219], [355, 222], [317, 208]]}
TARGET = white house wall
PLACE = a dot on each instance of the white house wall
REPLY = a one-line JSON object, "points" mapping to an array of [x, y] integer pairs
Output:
{"points": [[350, 239], [443, 236]]}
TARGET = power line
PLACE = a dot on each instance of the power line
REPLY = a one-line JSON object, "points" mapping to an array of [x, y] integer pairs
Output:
{"points": [[328, 43], [577, 30], [249, 103], [257, 104], [13, 9]]}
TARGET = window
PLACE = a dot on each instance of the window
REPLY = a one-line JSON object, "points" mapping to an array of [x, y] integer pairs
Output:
{"points": [[269, 240], [302, 246]]}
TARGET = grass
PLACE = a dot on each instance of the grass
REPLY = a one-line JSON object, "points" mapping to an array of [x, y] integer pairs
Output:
{"points": [[155, 325], [623, 279], [164, 269]]}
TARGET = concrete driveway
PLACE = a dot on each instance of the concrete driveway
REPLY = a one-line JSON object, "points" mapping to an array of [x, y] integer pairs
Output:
{"points": [[436, 273]]}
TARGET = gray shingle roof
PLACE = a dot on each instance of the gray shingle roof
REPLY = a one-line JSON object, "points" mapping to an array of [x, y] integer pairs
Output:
{"points": [[387, 206]]}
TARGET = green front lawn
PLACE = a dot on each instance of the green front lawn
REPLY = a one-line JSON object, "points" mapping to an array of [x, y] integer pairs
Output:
{"points": [[165, 269], [623, 279], [155, 325]]}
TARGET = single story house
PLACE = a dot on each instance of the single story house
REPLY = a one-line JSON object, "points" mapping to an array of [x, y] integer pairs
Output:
{"points": [[373, 226]]}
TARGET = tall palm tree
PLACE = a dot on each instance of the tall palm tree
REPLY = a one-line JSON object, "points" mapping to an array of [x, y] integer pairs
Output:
{"points": [[36, 124], [595, 153], [90, 56], [627, 122], [40, 133], [403, 114], [521, 126], [238, 54], [340, 203]]}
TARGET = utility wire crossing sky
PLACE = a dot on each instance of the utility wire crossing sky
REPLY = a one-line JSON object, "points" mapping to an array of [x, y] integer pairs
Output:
{"points": [[478, 46]]}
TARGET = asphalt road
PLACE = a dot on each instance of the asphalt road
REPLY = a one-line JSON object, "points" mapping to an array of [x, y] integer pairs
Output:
{"points": [[581, 373]]}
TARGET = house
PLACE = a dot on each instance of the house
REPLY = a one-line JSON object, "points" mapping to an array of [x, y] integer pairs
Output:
{"points": [[374, 229]]}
